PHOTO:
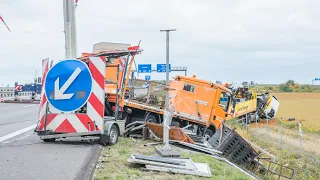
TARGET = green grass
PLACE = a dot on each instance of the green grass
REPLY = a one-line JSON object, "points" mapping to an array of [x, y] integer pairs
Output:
{"points": [[294, 125], [113, 164]]}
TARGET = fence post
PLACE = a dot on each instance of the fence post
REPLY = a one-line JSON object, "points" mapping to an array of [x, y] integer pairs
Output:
{"points": [[300, 135], [247, 123], [256, 122], [281, 143], [267, 127]]}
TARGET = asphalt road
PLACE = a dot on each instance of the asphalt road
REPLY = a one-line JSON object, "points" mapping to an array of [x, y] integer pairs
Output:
{"points": [[26, 157]]}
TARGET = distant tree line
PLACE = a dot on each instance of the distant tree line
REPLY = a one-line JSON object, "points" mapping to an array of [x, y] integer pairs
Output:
{"points": [[288, 86], [292, 86]]}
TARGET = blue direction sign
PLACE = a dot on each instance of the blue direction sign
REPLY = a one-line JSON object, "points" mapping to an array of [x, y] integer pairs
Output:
{"points": [[68, 85], [144, 68], [316, 79], [162, 67], [147, 77]]}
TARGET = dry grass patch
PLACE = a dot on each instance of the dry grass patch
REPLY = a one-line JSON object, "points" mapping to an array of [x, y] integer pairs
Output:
{"points": [[303, 107]]}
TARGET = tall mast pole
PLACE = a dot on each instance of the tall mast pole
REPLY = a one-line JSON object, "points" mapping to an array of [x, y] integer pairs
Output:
{"points": [[70, 29]]}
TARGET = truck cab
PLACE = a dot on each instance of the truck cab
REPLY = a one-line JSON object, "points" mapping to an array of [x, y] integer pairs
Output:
{"points": [[203, 105]]}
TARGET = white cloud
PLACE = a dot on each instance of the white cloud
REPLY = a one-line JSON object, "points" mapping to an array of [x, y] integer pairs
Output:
{"points": [[225, 40]]}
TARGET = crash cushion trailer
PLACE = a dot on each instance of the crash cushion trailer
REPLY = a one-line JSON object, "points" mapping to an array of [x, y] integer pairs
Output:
{"points": [[87, 120]]}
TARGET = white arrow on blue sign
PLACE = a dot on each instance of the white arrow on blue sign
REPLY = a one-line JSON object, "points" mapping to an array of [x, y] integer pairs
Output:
{"points": [[147, 77], [68, 85]]}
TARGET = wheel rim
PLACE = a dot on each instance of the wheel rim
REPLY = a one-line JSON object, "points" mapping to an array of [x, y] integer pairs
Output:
{"points": [[207, 137], [113, 135]]}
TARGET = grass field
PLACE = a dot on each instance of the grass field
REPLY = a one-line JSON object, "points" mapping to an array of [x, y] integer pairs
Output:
{"points": [[303, 107], [113, 164]]}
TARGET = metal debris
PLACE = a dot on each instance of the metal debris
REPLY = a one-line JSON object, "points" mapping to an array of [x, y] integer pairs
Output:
{"points": [[234, 147], [152, 144], [174, 165], [197, 147]]}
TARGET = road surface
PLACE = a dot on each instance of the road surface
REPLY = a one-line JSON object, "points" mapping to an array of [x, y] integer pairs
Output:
{"points": [[24, 156]]}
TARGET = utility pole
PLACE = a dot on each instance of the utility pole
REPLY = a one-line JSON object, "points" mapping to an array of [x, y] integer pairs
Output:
{"points": [[70, 29], [167, 63], [167, 117]]}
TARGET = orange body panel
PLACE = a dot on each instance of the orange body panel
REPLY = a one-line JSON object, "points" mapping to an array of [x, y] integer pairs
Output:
{"points": [[197, 104], [111, 75]]}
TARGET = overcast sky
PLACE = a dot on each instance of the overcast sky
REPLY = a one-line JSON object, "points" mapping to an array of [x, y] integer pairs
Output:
{"points": [[267, 41]]}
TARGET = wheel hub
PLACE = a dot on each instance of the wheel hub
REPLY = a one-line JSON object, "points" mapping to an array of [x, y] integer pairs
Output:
{"points": [[113, 136], [207, 137]]}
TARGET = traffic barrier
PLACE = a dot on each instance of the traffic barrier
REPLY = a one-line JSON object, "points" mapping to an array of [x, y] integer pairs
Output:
{"points": [[234, 147]]}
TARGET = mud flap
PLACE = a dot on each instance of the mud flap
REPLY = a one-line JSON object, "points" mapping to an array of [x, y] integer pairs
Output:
{"points": [[104, 139]]}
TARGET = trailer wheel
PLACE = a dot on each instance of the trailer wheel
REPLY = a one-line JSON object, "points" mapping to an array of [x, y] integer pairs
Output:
{"points": [[208, 134], [151, 118], [114, 133]]}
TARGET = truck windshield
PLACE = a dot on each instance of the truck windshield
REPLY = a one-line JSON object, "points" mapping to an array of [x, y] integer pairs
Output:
{"points": [[224, 101]]}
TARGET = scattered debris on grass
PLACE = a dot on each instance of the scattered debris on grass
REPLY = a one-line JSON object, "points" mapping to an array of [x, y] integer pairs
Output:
{"points": [[113, 163], [174, 165]]}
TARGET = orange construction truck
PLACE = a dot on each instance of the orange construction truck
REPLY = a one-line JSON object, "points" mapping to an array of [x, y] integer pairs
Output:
{"points": [[200, 106]]}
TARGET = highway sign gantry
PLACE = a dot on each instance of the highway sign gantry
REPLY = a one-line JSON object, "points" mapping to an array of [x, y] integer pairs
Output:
{"points": [[68, 85], [144, 68], [162, 67]]}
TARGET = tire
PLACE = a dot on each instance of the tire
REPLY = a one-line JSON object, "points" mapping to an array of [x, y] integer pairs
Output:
{"points": [[175, 124], [49, 140], [151, 118], [208, 134], [113, 134]]}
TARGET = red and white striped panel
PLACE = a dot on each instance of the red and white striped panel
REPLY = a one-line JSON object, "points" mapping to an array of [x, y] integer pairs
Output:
{"points": [[80, 122], [43, 100], [122, 63]]}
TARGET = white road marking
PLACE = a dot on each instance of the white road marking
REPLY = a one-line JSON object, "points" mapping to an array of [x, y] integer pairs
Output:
{"points": [[16, 133], [23, 137], [29, 105]]}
